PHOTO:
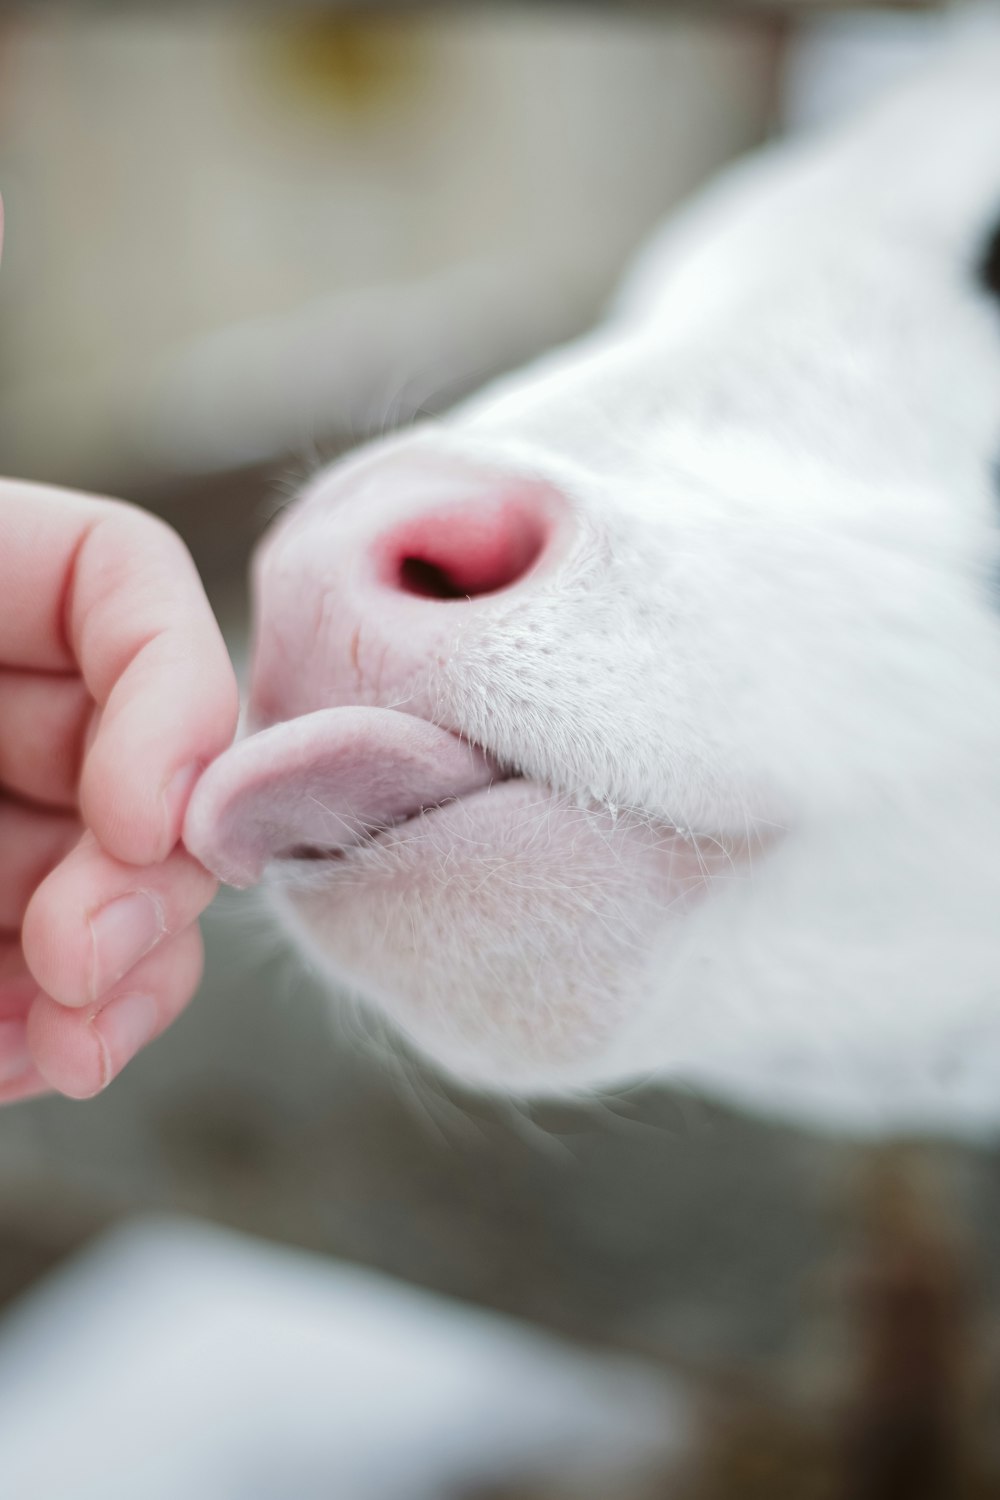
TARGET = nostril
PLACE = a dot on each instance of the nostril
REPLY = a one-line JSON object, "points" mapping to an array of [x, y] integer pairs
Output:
{"points": [[417, 576], [461, 553]]}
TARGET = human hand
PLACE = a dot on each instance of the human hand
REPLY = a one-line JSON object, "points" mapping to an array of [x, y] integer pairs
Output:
{"points": [[115, 691]]}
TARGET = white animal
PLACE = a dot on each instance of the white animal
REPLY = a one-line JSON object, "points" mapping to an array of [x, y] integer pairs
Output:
{"points": [[643, 717]]}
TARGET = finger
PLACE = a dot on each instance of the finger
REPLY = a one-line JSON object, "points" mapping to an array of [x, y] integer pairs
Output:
{"points": [[18, 1075], [43, 726], [102, 586], [94, 918], [17, 986], [16, 1060], [152, 656], [32, 842], [42, 532], [28, 1086], [78, 1052]]}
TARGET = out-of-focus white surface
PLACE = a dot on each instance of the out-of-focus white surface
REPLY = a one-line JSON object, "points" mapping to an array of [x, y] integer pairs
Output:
{"points": [[177, 1360]]}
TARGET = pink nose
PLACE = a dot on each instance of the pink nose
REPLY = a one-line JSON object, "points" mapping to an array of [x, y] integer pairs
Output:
{"points": [[462, 552], [363, 590]]}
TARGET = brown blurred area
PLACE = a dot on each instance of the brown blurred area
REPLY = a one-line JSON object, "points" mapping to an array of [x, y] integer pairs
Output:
{"points": [[237, 243]]}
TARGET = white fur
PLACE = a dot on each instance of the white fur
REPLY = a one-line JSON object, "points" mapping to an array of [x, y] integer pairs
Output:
{"points": [[779, 620]]}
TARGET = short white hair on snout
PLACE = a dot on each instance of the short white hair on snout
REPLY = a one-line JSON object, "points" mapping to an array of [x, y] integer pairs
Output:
{"points": [[643, 717]]}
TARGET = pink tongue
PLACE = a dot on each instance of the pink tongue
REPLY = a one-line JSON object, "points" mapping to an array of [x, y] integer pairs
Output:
{"points": [[322, 782]]}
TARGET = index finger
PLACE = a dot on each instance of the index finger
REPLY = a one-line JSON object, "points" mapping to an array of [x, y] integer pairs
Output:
{"points": [[104, 588]]}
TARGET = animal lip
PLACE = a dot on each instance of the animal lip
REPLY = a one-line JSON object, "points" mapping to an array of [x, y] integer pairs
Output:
{"points": [[310, 853], [316, 786]]}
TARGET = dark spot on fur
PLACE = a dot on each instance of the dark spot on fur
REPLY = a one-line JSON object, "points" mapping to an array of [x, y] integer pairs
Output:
{"points": [[988, 274], [989, 263]]}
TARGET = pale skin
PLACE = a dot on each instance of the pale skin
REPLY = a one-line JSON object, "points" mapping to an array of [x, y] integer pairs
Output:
{"points": [[115, 691]]}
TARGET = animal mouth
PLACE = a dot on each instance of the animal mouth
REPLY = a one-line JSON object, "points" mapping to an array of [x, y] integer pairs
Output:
{"points": [[333, 854], [307, 795], [312, 789], [318, 854]]}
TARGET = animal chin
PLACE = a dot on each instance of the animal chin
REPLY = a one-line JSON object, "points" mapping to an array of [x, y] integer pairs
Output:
{"points": [[492, 916], [510, 933]]}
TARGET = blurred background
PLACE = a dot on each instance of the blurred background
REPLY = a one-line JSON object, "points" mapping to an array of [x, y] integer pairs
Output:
{"points": [[238, 242]]}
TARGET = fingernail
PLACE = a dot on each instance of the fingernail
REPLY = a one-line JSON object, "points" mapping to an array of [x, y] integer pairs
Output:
{"points": [[15, 1059], [176, 795], [123, 1027], [121, 933]]}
